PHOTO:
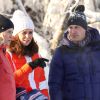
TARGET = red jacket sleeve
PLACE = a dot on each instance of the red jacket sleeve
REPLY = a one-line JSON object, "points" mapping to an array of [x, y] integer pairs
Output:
{"points": [[20, 73]]}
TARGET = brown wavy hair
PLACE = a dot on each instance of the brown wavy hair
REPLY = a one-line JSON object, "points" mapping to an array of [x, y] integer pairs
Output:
{"points": [[17, 47]]}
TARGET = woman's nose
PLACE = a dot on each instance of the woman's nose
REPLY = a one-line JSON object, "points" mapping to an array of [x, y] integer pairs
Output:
{"points": [[10, 35], [27, 35]]}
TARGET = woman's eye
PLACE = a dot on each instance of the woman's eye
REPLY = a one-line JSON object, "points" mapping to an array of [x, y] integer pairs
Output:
{"points": [[30, 32], [24, 32]]}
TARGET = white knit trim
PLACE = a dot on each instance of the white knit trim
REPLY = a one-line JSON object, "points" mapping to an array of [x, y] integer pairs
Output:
{"points": [[21, 21]]}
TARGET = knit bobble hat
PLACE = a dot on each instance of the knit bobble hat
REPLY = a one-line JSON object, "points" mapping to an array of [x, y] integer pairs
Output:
{"points": [[77, 17], [21, 21], [5, 23]]}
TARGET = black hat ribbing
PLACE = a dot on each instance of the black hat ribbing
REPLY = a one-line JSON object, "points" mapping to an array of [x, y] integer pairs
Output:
{"points": [[78, 17], [5, 23]]}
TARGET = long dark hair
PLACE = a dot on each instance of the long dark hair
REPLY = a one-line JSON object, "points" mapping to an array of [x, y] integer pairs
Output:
{"points": [[17, 47]]}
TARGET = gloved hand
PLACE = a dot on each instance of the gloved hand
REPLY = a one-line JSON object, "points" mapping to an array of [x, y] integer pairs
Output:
{"points": [[38, 62]]}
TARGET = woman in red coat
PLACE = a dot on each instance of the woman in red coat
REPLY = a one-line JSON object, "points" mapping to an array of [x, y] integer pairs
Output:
{"points": [[22, 51], [7, 82]]}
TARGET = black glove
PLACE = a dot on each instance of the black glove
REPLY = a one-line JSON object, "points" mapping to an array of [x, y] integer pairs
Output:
{"points": [[38, 62]]}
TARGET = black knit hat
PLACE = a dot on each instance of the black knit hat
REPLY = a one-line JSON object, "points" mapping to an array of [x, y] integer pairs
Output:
{"points": [[5, 23], [77, 17]]}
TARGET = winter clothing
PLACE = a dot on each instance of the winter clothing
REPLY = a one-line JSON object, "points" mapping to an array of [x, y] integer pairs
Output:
{"points": [[77, 17], [21, 21], [24, 76], [38, 62], [7, 83], [75, 71], [32, 95], [5, 23]]}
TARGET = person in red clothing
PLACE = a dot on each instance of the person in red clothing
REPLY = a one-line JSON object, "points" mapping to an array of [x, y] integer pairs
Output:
{"points": [[23, 56], [7, 82]]}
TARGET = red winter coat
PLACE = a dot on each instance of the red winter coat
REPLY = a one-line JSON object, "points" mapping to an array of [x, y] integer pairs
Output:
{"points": [[24, 76], [7, 83]]}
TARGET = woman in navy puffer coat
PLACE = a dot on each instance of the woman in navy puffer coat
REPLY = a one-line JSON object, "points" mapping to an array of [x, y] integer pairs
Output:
{"points": [[75, 69]]}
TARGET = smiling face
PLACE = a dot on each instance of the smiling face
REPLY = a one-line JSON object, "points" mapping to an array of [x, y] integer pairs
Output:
{"points": [[25, 36], [6, 37], [76, 33]]}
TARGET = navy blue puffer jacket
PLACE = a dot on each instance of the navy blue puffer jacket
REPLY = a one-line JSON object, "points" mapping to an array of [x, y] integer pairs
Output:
{"points": [[75, 71]]}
